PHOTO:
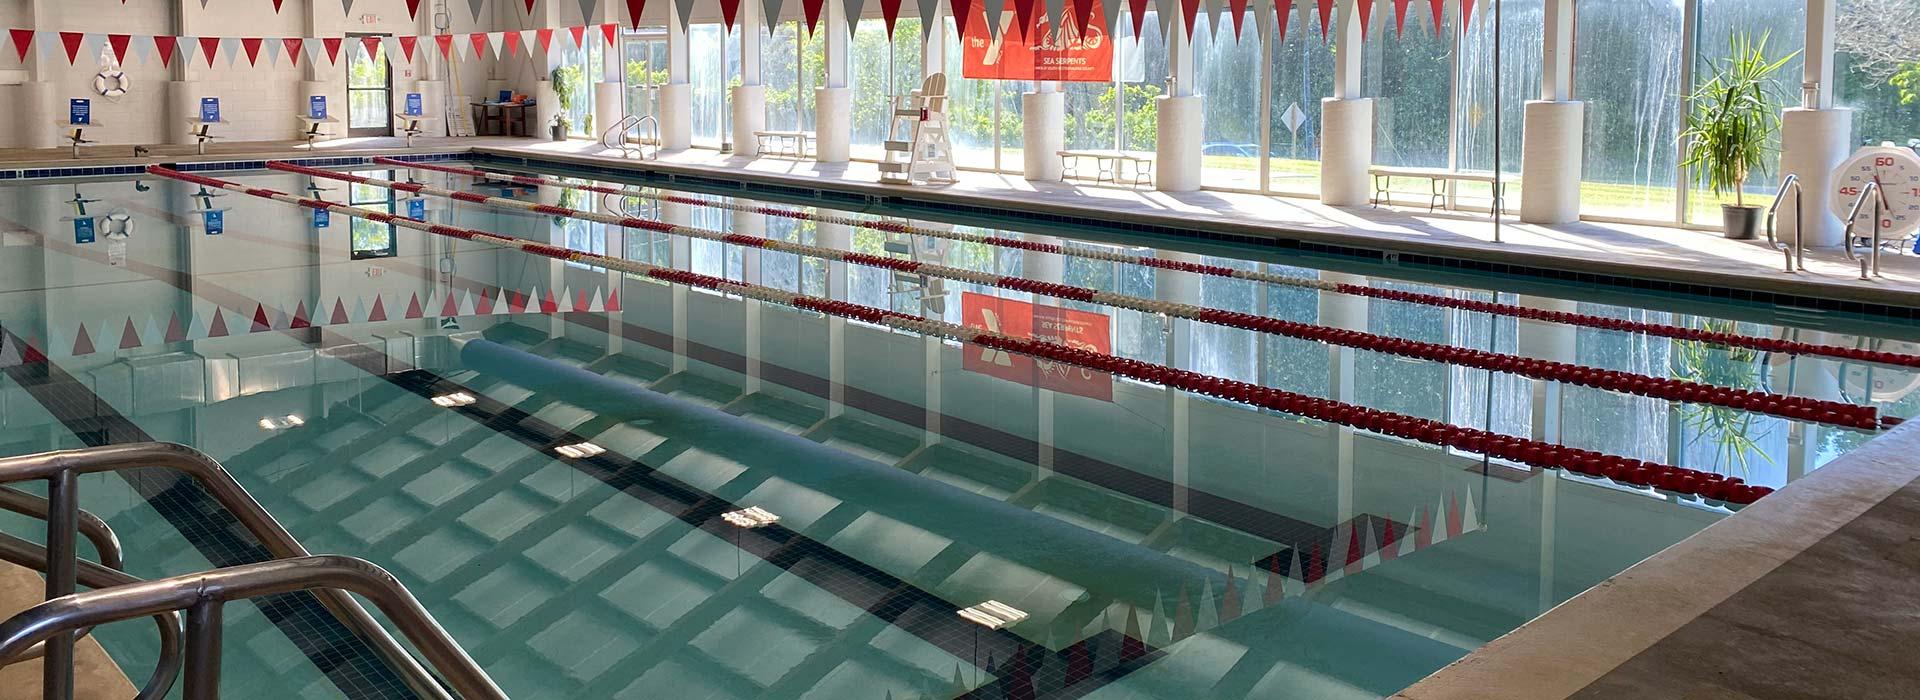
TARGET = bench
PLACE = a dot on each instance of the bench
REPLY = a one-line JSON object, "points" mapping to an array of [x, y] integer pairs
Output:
{"points": [[202, 132], [787, 144], [1109, 165], [1439, 178]]}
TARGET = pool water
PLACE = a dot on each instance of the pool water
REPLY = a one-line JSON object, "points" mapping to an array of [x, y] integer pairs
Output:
{"points": [[1161, 544]]}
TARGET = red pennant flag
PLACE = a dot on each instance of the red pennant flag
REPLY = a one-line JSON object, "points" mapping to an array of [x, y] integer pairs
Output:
{"points": [[406, 46], [261, 322], [339, 317], [1366, 15], [164, 45], [218, 328], [1139, 11], [544, 37], [379, 312], [72, 42], [413, 307], [22, 40], [452, 307], [613, 300], [119, 43], [1239, 10], [1284, 16], [446, 45], [484, 305], [479, 41], [728, 9], [252, 46], [890, 12], [612, 34], [82, 344], [513, 42], [812, 8], [1466, 14], [634, 8], [293, 49], [1400, 17], [332, 45], [1188, 8], [129, 336], [276, 5], [1326, 17], [209, 45], [413, 9], [300, 316], [1023, 14], [579, 36], [529, 6], [372, 44], [176, 331]]}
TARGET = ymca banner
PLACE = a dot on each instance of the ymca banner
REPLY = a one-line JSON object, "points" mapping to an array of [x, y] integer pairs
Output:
{"points": [[1071, 327], [1039, 52]]}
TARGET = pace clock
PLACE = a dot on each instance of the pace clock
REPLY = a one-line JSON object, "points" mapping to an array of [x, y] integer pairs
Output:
{"points": [[1897, 170]]}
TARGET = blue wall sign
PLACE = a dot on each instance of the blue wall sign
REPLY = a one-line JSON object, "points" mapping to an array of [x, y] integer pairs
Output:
{"points": [[415, 107], [417, 209], [210, 109], [80, 111], [83, 230], [322, 218], [216, 221], [317, 107]]}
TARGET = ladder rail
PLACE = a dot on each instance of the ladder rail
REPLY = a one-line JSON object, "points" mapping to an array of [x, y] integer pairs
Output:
{"points": [[166, 669], [60, 468], [201, 596]]}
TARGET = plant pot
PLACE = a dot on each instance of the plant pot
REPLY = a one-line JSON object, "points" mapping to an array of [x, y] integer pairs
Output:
{"points": [[1742, 222], [557, 131]]}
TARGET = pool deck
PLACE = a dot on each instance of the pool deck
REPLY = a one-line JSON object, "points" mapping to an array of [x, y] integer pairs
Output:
{"points": [[1634, 250]]}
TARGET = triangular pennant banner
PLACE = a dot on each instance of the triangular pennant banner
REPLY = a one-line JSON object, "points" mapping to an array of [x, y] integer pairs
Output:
{"points": [[545, 39], [579, 36], [332, 45], [231, 47], [371, 45], [529, 6], [445, 42], [770, 12], [273, 51], [294, 47], [1400, 17], [1466, 14], [1326, 17], [684, 8], [346, 6], [889, 13], [479, 41], [143, 48], [252, 47], [1439, 15], [1366, 16], [1239, 10], [210, 47], [406, 46], [413, 9], [634, 8], [586, 10], [164, 46], [993, 9], [853, 9], [119, 43], [928, 10], [473, 6], [610, 32], [512, 44], [22, 41], [812, 8], [1138, 9], [71, 40]]}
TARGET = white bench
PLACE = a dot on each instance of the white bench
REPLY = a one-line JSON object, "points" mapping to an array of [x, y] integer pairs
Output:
{"points": [[787, 144], [1109, 165], [1438, 178]]}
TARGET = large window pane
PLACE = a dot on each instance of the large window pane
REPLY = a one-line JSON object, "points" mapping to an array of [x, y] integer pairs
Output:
{"points": [[1522, 31], [1784, 22], [780, 73], [1879, 70], [1627, 70], [1143, 78], [1228, 72], [1410, 78], [713, 69], [1302, 76], [970, 108]]}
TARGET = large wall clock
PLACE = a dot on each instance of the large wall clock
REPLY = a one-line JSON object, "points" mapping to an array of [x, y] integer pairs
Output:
{"points": [[1898, 172]]}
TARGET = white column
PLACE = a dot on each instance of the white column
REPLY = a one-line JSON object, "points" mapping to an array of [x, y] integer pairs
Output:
{"points": [[1346, 123], [1178, 133], [750, 96], [833, 102], [1551, 148], [1183, 288], [1043, 129], [675, 110], [1815, 136], [1547, 341]]}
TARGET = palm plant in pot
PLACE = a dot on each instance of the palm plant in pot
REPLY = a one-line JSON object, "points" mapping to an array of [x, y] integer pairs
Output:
{"points": [[1732, 121]]}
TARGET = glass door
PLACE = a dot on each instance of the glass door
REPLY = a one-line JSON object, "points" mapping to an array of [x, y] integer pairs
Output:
{"points": [[369, 90], [644, 67]]}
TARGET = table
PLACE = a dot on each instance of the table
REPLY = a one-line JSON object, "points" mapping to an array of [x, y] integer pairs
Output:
{"points": [[789, 144], [1108, 165], [499, 119], [1438, 179]]}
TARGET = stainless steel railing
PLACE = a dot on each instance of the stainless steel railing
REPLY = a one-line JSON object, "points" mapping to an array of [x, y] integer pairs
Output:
{"points": [[1872, 258], [203, 595], [165, 671], [61, 469], [1796, 252]]}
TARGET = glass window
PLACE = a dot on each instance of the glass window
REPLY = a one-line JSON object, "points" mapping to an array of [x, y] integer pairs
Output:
{"points": [[1410, 78], [1403, 384], [780, 73], [1219, 350], [971, 108], [371, 239], [1784, 23], [1143, 78], [581, 234], [644, 63], [573, 84], [1302, 75], [1627, 71], [713, 57], [1227, 73], [1522, 31], [1878, 71], [368, 85], [1293, 364]]}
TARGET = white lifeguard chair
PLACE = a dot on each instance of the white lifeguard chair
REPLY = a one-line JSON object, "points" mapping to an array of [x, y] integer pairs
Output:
{"points": [[917, 149]]}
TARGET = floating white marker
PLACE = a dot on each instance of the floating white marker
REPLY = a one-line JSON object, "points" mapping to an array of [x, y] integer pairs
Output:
{"points": [[580, 451], [751, 518], [993, 614], [454, 400]]}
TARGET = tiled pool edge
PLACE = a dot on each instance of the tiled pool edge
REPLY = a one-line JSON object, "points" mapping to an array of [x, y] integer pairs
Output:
{"points": [[1585, 638]]}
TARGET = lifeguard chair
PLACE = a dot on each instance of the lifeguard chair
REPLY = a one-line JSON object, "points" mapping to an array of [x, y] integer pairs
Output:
{"points": [[917, 149]]}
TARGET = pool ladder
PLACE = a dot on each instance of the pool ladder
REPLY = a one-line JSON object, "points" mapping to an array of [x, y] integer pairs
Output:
{"points": [[1871, 259], [48, 630], [615, 137], [1796, 251]]}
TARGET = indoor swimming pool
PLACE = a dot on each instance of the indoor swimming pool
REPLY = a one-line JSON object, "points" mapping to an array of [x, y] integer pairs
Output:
{"points": [[1194, 469]]}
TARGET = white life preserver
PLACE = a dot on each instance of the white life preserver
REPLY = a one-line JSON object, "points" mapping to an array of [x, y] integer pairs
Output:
{"points": [[112, 83]]}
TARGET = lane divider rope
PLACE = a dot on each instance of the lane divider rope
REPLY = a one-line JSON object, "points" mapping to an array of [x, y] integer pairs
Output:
{"points": [[1715, 488], [1793, 407], [1763, 344]]}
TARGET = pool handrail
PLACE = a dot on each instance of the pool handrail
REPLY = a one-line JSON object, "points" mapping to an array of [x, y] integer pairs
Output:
{"points": [[60, 469], [166, 668], [1853, 216], [1795, 249]]}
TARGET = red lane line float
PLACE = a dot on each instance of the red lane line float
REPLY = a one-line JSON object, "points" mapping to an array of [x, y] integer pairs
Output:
{"points": [[1779, 345], [1798, 408]]}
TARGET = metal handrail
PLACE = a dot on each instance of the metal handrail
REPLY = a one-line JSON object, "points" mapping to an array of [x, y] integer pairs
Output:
{"points": [[1797, 249], [1853, 216], [165, 670], [60, 469], [649, 134], [91, 526], [202, 595]]}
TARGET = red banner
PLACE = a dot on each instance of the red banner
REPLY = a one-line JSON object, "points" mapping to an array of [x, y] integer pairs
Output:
{"points": [[1039, 53], [1079, 329]]}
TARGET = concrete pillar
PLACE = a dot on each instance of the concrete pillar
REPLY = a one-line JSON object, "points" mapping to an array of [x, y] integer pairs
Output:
{"points": [[1816, 136], [1043, 130], [833, 124], [749, 115], [39, 114], [1178, 124], [547, 108], [1346, 123], [1348, 312], [609, 106], [1551, 155], [676, 116], [1183, 288], [1547, 341], [183, 98]]}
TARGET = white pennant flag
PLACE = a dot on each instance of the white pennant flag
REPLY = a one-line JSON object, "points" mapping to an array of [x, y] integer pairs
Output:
{"points": [[495, 38], [529, 42], [391, 45], [770, 13], [316, 52], [586, 11], [686, 10], [143, 49], [187, 46], [49, 43], [273, 51], [231, 47], [1169, 12], [346, 6], [931, 8], [90, 46], [1055, 8], [994, 8], [474, 7]]}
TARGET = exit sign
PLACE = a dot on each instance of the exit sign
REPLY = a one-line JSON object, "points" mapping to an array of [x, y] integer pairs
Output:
{"points": [[369, 18]]}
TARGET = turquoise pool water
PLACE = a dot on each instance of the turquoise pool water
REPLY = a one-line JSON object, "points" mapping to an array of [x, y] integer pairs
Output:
{"points": [[1162, 544]]}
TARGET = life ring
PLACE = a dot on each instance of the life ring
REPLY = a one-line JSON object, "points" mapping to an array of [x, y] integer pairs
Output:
{"points": [[112, 83]]}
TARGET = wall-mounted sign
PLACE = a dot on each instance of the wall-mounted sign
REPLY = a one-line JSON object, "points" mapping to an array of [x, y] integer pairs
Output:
{"points": [[414, 106], [210, 109], [216, 221], [1039, 52], [317, 107], [80, 111], [322, 218], [1071, 327], [83, 231], [417, 209]]}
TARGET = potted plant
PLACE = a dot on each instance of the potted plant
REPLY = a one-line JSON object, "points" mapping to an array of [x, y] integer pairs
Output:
{"points": [[1732, 121]]}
